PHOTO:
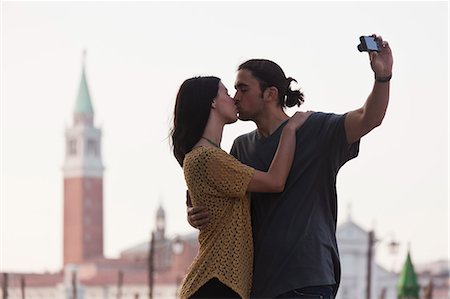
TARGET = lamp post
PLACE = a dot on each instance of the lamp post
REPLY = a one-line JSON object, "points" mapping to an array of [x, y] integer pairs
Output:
{"points": [[393, 247], [74, 284], [22, 286], [369, 264], [119, 284], [177, 245], [151, 253], [5, 286], [177, 249], [393, 250]]}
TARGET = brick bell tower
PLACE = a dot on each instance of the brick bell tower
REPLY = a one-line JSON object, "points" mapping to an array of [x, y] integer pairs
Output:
{"points": [[83, 182]]}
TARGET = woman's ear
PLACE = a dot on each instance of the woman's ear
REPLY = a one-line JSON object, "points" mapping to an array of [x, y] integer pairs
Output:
{"points": [[213, 104]]}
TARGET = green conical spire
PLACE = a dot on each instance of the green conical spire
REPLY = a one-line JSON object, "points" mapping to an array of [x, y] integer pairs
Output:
{"points": [[83, 104], [407, 287]]}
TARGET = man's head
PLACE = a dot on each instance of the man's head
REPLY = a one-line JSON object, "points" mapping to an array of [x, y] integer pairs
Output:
{"points": [[257, 81]]}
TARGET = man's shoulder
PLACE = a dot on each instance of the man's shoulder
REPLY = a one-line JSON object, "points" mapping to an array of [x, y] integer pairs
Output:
{"points": [[245, 138], [325, 115], [242, 144], [247, 135], [320, 119]]}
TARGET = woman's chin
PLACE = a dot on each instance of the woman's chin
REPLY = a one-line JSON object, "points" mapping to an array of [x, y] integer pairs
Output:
{"points": [[232, 121]]}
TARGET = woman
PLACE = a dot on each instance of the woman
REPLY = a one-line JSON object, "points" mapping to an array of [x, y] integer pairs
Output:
{"points": [[223, 266]]}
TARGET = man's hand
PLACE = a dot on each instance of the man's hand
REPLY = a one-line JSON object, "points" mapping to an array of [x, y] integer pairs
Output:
{"points": [[198, 217], [381, 62], [363, 120]]}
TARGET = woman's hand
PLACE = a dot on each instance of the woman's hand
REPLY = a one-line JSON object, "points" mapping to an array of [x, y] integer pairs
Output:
{"points": [[298, 119]]}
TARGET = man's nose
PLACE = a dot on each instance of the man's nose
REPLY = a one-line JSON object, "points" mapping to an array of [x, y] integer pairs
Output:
{"points": [[235, 97]]}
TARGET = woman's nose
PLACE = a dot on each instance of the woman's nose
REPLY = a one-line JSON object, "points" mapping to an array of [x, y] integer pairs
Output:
{"points": [[235, 97]]}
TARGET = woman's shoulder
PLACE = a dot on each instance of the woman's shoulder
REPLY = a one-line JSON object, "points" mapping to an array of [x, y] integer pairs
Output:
{"points": [[204, 154], [206, 151]]}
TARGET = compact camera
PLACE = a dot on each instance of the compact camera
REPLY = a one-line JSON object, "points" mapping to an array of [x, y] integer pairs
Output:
{"points": [[368, 44]]}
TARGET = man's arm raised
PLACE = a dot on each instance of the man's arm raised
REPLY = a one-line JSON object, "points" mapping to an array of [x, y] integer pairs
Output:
{"points": [[361, 121]]}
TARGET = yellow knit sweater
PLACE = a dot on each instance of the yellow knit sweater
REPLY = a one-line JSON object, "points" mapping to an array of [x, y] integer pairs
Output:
{"points": [[219, 181]]}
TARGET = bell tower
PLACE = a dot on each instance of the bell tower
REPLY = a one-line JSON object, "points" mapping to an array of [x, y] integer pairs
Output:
{"points": [[160, 223], [83, 182]]}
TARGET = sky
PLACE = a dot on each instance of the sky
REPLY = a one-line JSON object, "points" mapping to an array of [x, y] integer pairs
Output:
{"points": [[139, 53]]}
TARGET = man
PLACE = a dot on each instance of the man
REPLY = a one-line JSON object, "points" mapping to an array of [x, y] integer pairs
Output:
{"points": [[294, 232]]}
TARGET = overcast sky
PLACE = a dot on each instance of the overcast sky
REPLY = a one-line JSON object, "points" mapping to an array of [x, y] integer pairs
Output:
{"points": [[139, 53]]}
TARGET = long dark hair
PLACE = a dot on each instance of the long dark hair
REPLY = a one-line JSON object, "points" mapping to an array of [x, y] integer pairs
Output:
{"points": [[191, 113], [268, 74]]}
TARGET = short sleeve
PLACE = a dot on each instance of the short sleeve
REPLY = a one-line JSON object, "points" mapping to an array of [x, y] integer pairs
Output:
{"points": [[334, 139], [227, 175]]}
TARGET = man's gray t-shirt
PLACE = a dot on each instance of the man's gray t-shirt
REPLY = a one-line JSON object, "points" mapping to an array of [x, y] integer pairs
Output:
{"points": [[294, 232]]}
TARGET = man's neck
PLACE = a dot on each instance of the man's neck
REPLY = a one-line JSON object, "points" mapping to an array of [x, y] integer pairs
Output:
{"points": [[269, 122]]}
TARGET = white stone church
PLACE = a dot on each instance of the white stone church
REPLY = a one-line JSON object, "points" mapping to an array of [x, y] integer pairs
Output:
{"points": [[353, 242]]}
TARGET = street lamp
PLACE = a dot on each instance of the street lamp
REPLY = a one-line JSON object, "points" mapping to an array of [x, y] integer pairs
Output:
{"points": [[119, 284], [393, 248], [369, 264], [151, 254], [177, 249], [177, 245]]}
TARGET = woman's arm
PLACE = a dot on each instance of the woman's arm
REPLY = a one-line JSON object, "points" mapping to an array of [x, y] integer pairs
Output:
{"points": [[275, 178]]}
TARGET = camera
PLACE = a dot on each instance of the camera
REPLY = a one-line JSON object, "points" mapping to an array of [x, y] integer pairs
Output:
{"points": [[368, 44]]}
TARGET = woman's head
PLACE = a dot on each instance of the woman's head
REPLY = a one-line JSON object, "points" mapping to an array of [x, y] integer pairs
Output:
{"points": [[269, 74], [191, 113]]}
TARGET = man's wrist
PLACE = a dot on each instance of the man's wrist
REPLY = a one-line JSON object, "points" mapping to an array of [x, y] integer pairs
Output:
{"points": [[383, 79]]}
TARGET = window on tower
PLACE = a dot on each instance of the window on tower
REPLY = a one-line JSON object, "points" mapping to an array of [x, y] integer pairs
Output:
{"points": [[87, 202], [92, 149], [87, 184], [72, 147]]}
